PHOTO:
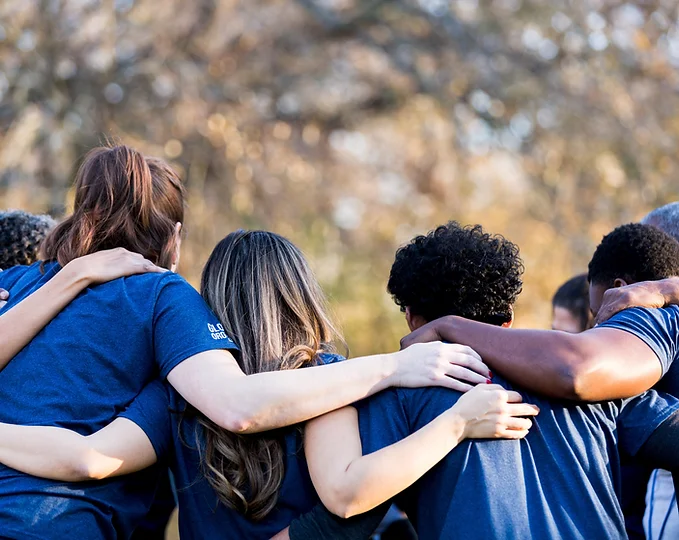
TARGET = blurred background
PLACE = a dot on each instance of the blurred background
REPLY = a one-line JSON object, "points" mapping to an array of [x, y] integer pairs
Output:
{"points": [[351, 125]]}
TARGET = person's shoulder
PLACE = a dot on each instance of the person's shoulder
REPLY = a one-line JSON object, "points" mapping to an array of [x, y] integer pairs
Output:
{"points": [[36, 271], [327, 358], [155, 283], [643, 313]]}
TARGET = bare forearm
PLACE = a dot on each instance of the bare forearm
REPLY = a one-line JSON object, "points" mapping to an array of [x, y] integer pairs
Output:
{"points": [[264, 401], [47, 452], [600, 364], [669, 289], [372, 479], [20, 324], [277, 399], [542, 361]]}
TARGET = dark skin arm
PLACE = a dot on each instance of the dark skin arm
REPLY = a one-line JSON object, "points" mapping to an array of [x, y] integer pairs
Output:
{"points": [[597, 365], [649, 294]]}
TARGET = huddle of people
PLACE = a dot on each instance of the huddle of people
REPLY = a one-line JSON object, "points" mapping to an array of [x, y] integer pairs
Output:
{"points": [[114, 369]]}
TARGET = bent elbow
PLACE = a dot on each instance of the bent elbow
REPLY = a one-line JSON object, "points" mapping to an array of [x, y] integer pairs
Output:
{"points": [[340, 508], [342, 502], [575, 379], [237, 422]]}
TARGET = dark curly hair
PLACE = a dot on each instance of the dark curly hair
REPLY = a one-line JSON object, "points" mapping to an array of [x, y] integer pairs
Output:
{"points": [[21, 234], [456, 270], [574, 296], [634, 252]]}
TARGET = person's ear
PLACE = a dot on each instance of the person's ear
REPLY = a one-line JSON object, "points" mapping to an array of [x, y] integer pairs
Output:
{"points": [[177, 246], [510, 322], [619, 282]]}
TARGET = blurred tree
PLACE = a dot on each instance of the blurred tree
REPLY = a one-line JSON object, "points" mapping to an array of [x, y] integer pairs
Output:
{"points": [[350, 125]]}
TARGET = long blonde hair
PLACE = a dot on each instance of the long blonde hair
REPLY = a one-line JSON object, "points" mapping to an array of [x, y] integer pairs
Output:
{"points": [[267, 298]]}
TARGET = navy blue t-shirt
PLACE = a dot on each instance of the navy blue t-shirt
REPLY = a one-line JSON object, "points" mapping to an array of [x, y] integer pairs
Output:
{"points": [[659, 329], [81, 372], [561, 481], [201, 514]]}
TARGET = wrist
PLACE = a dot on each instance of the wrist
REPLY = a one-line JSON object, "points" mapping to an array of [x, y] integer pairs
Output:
{"points": [[668, 290], [457, 425], [75, 274], [389, 370]]}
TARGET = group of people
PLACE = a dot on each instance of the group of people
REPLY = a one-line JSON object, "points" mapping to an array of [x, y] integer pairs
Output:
{"points": [[114, 370]]}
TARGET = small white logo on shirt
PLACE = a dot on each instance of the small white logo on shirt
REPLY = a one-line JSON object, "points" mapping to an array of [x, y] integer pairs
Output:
{"points": [[217, 332]]}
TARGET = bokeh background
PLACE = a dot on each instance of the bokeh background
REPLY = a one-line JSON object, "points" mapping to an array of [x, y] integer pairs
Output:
{"points": [[351, 125]]}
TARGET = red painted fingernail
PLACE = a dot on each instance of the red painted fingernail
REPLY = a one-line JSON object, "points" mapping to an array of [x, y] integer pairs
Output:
{"points": [[490, 374], [488, 381]]}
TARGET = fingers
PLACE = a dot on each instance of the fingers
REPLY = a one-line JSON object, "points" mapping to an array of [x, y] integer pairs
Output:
{"points": [[519, 424], [522, 409], [4, 295], [150, 267], [513, 434], [453, 384], [513, 397], [464, 374], [467, 357], [607, 311]]}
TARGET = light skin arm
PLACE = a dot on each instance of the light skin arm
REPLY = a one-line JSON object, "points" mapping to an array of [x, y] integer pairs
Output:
{"points": [[214, 383], [596, 365], [56, 453], [349, 483], [22, 322]]}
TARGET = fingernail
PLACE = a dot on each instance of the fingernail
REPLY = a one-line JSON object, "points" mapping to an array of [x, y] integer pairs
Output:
{"points": [[488, 381], [490, 374]]}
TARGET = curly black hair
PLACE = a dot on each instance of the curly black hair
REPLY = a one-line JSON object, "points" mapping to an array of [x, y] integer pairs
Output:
{"points": [[21, 234], [634, 252], [456, 270], [574, 296]]}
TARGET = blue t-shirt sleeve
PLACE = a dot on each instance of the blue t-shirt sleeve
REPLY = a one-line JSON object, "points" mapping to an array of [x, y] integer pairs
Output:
{"points": [[150, 410], [382, 420], [641, 416], [326, 358], [183, 325], [658, 328]]}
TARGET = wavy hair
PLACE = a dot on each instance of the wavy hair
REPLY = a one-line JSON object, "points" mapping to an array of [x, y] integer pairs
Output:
{"points": [[267, 298]]}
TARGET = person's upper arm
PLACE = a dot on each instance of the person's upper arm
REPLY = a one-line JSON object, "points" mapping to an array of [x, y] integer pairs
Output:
{"points": [[331, 442], [641, 416], [139, 437], [150, 412], [205, 381], [183, 325], [657, 328]]}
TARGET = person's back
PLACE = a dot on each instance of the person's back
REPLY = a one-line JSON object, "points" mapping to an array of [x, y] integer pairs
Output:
{"points": [[203, 515], [90, 362], [560, 481], [81, 372]]}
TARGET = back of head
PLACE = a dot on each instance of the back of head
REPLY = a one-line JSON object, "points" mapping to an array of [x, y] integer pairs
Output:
{"points": [[263, 291], [122, 199], [634, 252], [456, 270], [21, 235], [665, 218], [574, 297]]}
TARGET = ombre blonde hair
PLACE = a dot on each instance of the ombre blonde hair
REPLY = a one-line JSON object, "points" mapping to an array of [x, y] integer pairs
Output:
{"points": [[267, 298]]}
